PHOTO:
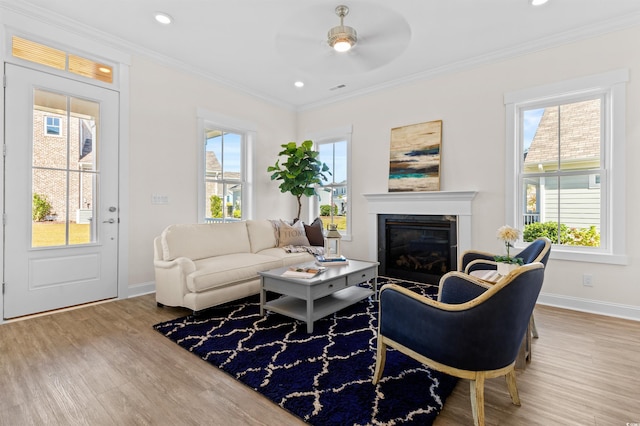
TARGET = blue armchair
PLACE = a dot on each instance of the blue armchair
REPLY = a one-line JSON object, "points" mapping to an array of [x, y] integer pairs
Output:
{"points": [[473, 331], [538, 251]]}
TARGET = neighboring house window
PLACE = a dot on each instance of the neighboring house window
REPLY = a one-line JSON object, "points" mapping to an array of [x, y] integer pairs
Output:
{"points": [[568, 168], [333, 204], [52, 126]]}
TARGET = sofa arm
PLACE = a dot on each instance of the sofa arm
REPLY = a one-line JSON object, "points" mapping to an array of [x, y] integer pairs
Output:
{"points": [[171, 280]]}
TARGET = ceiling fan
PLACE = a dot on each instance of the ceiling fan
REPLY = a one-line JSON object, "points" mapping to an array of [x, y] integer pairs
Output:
{"points": [[342, 38], [304, 41]]}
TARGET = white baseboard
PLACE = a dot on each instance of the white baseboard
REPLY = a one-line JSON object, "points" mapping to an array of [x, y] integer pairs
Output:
{"points": [[559, 301], [591, 306], [140, 289]]}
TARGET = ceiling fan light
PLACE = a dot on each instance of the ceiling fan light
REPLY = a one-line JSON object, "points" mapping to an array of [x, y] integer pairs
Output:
{"points": [[342, 38], [342, 46]]}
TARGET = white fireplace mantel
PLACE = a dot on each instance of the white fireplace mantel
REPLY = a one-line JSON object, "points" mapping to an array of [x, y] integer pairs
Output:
{"points": [[453, 203]]}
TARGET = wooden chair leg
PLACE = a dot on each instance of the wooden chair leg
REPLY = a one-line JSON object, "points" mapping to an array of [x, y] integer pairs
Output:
{"points": [[477, 399], [529, 346], [513, 388], [533, 327], [381, 357]]}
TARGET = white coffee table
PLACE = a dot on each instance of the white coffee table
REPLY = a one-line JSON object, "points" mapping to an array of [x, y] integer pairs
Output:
{"points": [[309, 299]]}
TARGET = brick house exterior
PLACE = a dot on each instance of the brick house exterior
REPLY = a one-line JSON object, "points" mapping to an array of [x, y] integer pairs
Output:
{"points": [[50, 166]]}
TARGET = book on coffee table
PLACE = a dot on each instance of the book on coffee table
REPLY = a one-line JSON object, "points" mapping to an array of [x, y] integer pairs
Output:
{"points": [[302, 272], [332, 261]]}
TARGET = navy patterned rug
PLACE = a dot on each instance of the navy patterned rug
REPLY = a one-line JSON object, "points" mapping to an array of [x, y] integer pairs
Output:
{"points": [[324, 377]]}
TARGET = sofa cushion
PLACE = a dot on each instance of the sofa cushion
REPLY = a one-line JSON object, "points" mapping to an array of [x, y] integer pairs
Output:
{"points": [[292, 235], [314, 232], [229, 269], [262, 235], [203, 240]]}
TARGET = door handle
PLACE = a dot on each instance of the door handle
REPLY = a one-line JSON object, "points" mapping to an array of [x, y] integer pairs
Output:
{"points": [[112, 220]]}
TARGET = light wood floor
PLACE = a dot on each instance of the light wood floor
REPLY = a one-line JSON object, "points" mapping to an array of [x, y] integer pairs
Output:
{"points": [[105, 365]]}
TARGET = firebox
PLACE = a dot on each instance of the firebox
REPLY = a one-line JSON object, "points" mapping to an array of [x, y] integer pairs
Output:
{"points": [[417, 247]]}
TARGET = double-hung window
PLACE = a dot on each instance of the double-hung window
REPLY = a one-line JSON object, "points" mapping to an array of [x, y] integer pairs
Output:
{"points": [[223, 175], [565, 166], [332, 205], [224, 193]]}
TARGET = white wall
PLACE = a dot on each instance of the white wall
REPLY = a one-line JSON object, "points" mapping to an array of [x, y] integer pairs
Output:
{"points": [[163, 144], [471, 105], [164, 147]]}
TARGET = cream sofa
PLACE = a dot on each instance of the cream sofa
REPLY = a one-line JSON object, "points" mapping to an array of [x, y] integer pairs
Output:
{"points": [[202, 265]]}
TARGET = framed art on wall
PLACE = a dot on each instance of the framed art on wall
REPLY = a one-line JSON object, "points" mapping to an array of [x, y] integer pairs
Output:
{"points": [[414, 161]]}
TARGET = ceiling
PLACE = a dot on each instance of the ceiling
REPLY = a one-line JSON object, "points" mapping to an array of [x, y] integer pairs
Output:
{"points": [[263, 47]]}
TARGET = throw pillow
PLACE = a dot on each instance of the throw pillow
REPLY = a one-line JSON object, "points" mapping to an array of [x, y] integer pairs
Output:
{"points": [[292, 235], [314, 232]]}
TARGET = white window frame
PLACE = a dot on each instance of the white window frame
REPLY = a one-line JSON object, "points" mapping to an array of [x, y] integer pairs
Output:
{"points": [[330, 136], [206, 119], [612, 85]]}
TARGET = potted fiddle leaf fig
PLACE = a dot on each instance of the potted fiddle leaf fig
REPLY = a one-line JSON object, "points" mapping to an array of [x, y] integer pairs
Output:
{"points": [[300, 171]]}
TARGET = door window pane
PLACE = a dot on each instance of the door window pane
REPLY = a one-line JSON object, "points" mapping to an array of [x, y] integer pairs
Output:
{"points": [[64, 171]]}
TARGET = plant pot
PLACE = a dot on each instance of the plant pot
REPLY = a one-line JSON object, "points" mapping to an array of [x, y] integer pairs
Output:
{"points": [[505, 268]]}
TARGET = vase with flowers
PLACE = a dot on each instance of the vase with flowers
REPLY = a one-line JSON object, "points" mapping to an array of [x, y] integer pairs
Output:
{"points": [[509, 236]]}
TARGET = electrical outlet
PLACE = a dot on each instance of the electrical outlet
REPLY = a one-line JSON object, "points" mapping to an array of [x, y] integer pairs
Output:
{"points": [[159, 199], [587, 280]]}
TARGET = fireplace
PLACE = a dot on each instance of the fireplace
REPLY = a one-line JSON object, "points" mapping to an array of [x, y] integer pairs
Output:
{"points": [[417, 247], [454, 207]]}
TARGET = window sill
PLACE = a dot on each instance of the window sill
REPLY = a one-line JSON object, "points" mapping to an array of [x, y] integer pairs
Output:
{"points": [[612, 259]]}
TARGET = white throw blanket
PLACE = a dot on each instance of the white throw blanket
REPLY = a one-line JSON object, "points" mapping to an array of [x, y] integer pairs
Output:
{"points": [[314, 250]]}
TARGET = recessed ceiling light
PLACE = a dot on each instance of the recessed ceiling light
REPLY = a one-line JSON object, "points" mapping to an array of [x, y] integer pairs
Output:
{"points": [[163, 18], [299, 84], [538, 2]]}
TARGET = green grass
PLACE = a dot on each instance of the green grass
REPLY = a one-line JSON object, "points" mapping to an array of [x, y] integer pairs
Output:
{"points": [[341, 221], [47, 234]]}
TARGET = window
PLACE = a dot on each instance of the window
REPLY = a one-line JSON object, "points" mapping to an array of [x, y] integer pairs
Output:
{"points": [[61, 60], [566, 142], [333, 204], [52, 126], [224, 190], [223, 175]]}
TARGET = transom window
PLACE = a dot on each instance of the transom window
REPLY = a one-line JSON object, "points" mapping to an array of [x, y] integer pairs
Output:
{"points": [[566, 142], [61, 60]]}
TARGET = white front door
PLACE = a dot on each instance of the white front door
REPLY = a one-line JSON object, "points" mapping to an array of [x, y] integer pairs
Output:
{"points": [[61, 192]]}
